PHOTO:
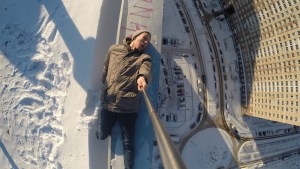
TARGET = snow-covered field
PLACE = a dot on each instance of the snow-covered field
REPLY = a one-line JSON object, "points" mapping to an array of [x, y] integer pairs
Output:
{"points": [[34, 81], [46, 51], [210, 148]]}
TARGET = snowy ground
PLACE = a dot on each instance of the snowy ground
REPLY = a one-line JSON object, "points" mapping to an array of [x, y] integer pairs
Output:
{"points": [[215, 143], [51, 55], [35, 83], [46, 48]]}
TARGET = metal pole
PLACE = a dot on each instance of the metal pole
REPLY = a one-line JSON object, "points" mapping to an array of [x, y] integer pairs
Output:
{"points": [[170, 155]]}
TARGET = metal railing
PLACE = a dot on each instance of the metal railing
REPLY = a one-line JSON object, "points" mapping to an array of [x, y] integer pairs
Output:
{"points": [[170, 156]]}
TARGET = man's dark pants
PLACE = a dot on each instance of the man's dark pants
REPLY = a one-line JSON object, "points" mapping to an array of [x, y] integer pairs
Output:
{"points": [[127, 126]]}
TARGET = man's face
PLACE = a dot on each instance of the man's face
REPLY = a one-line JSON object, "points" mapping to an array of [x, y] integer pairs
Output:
{"points": [[141, 41]]}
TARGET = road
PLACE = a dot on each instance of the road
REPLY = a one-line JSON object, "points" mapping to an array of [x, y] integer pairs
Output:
{"points": [[220, 121], [206, 121]]}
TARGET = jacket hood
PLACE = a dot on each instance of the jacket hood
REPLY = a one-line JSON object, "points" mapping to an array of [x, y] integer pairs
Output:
{"points": [[126, 43]]}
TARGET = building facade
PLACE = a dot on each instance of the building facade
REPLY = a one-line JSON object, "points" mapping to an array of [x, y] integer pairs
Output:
{"points": [[267, 39]]}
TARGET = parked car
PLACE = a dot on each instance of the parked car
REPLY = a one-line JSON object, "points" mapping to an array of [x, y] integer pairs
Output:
{"points": [[200, 107], [199, 91], [163, 62], [195, 66], [198, 117], [179, 77], [180, 85], [192, 125], [165, 41], [181, 13], [181, 99], [174, 117], [178, 72], [167, 81], [167, 117], [165, 71], [203, 78], [187, 29], [177, 68], [224, 69]]}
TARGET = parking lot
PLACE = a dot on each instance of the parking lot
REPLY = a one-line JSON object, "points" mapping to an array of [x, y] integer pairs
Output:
{"points": [[182, 91]]}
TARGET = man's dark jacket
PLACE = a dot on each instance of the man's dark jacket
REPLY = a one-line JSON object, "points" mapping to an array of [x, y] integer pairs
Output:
{"points": [[122, 67]]}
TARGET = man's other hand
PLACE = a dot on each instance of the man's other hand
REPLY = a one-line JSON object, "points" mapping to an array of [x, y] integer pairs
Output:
{"points": [[142, 84]]}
